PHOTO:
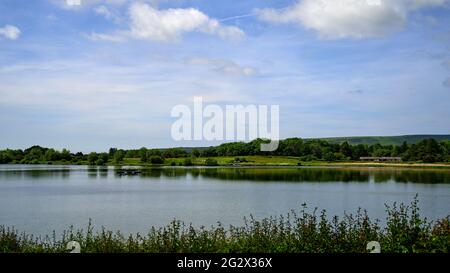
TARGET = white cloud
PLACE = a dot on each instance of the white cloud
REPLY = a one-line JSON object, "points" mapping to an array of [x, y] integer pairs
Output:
{"points": [[80, 4], [148, 23], [223, 66], [168, 25], [105, 37], [103, 10], [10, 32], [355, 19], [108, 14]]}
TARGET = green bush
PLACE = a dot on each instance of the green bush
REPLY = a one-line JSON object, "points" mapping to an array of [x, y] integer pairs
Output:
{"points": [[211, 162], [99, 162], [240, 159], [187, 162], [156, 159]]}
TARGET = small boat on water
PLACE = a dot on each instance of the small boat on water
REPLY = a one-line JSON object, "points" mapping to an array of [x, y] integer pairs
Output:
{"points": [[128, 172]]}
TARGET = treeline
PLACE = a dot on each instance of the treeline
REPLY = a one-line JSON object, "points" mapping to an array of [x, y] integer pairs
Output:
{"points": [[428, 150], [38, 155]]}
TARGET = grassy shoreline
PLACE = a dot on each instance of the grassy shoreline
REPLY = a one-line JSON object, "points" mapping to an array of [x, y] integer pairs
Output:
{"points": [[261, 161], [297, 232]]}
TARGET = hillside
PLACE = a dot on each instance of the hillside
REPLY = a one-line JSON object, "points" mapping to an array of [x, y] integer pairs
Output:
{"points": [[385, 140], [369, 140]]}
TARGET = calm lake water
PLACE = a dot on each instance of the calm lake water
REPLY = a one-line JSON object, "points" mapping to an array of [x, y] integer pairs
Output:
{"points": [[39, 199]]}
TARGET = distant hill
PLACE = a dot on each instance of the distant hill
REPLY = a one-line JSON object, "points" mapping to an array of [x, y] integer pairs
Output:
{"points": [[385, 140], [369, 140]]}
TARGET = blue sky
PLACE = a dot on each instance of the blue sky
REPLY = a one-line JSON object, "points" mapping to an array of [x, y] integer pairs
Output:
{"points": [[108, 72]]}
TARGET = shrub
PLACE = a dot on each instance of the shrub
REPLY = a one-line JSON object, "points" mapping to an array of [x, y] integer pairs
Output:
{"points": [[99, 162], [211, 162], [187, 162], [240, 159], [156, 159]]}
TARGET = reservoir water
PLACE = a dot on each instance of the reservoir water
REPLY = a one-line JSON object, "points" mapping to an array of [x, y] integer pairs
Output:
{"points": [[41, 198]]}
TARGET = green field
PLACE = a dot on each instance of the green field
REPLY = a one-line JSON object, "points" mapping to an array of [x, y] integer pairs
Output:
{"points": [[249, 160], [230, 161], [279, 161], [286, 161]]}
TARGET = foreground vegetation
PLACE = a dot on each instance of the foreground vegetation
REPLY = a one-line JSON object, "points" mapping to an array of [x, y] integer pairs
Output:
{"points": [[405, 231]]}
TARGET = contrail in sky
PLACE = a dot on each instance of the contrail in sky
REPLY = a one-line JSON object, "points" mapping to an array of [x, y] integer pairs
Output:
{"points": [[246, 15]]}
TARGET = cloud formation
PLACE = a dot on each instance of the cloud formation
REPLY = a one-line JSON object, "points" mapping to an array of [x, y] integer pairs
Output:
{"points": [[356, 19], [168, 25], [105, 37], [107, 13], [10, 32], [223, 66], [149, 23], [73, 4]]}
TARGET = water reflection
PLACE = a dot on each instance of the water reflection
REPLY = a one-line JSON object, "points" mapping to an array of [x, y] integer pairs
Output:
{"points": [[308, 174], [378, 175], [35, 174]]}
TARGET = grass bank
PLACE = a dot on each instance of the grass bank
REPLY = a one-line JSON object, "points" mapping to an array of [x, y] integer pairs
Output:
{"points": [[405, 231], [287, 161], [259, 161]]}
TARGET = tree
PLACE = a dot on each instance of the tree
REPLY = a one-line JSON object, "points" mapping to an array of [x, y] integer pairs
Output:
{"points": [[118, 156], [99, 162], [339, 156], [446, 150], [4, 157], [403, 148], [144, 155], [196, 153], [290, 146], [92, 158], [51, 155], [153, 152], [65, 155], [346, 150], [329, 156], [34, 154], [78, 156], [112, 152], [359, 151], [174, 152], [429, 150], [104, 157]]}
